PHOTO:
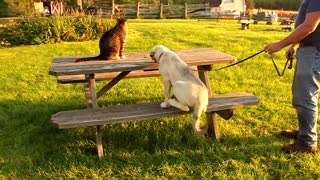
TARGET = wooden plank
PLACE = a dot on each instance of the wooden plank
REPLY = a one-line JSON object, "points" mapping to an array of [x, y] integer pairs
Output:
{"points": [[190, 56], [106, 76], [83, 68], [131, 112], [109, 76]]}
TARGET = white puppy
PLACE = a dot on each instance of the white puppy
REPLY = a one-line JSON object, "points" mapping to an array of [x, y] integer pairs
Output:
{"points": [[187, 87]]}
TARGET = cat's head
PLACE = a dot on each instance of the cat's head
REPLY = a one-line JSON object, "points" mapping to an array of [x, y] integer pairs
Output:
{"points": [[121, 20]]}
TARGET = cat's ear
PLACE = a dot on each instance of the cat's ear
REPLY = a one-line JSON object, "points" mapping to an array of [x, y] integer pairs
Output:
{"points": [[119, 20]]}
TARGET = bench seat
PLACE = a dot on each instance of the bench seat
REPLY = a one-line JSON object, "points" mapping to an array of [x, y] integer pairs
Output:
{"points": [[131, 112]]}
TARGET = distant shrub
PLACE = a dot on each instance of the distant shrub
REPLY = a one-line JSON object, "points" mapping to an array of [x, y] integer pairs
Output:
{"points": [[54, 29]]}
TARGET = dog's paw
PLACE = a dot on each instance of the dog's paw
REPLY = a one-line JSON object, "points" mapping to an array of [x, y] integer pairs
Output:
{"points": [[185, 108], [164, 105], [201, 132], [176, 104], [122, 57]]}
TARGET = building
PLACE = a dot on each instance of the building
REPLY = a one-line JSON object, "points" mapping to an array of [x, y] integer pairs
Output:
{"points": [[231, 7]]}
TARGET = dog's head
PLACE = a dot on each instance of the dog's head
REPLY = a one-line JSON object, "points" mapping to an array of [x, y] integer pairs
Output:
{"points": [[157, 52]]}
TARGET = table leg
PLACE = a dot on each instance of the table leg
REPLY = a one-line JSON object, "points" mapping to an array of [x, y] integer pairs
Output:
{"points": [[213, 129], [91, 98], [90, 91]]}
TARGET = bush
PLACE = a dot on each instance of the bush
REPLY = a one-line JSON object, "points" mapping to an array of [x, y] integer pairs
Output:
{"points": [[54, 29]]}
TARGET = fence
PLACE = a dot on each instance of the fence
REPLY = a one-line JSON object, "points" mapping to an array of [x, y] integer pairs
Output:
{"points": [[148, 11]]}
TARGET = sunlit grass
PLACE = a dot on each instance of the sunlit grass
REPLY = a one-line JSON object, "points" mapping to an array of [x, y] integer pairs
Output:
{"points": [[157, 148]]}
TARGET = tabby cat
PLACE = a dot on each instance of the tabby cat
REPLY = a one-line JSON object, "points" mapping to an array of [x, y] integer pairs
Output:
{"points": [[112, 43]]}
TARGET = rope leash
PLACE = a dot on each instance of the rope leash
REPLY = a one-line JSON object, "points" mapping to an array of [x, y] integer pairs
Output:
{"points": [[290, 61], [284, 68], [241, 61]]}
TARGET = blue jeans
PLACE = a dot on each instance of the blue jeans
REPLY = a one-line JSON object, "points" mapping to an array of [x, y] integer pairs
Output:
{"points": [[305, 88]]}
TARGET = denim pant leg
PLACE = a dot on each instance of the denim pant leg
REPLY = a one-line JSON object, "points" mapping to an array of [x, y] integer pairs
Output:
{"points": [[306, 84]]}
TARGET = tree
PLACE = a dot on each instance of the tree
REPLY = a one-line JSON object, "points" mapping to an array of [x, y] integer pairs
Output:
{"points": [[3, 9], [277, 4], [17, 7], [250, 4]]}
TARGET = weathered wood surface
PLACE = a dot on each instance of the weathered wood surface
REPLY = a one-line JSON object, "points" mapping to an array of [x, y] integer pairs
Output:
{"points": [[99, 67], [105, 76], [131, 112], [109, 76], [135, 61]]}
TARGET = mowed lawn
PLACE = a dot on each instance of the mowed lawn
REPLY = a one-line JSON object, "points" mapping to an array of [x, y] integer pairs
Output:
{"points": [[30, 148]]}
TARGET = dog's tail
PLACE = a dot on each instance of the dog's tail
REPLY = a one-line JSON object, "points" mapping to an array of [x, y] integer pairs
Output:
{"points": [[197, 111]]}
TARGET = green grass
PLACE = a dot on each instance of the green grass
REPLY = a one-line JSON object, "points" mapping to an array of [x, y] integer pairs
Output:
{"points": [[157, 148]]}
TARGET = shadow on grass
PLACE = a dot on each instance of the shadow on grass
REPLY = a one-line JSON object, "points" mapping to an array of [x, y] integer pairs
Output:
{"points": [[30, 142]]}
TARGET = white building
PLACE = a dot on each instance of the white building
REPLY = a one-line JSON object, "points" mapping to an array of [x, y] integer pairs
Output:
{"points": [[234, 7]]}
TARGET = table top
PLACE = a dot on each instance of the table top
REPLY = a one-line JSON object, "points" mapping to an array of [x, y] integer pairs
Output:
{"points": [[135, 61]]}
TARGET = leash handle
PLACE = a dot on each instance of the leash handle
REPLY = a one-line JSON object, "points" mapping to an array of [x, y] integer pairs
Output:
{"points": [[290, 64], [290, 61]]}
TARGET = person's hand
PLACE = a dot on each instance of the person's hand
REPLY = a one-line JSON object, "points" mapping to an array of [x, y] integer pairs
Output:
{"points": [[290, 53], [272, 48]]}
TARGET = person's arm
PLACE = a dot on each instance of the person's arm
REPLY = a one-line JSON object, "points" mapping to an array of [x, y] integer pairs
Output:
{"points": [[307, 27]]}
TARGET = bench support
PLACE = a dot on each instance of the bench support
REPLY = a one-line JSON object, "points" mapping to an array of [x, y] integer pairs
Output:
{"points": [[112, 83], [213, 129], [225, 114], [90, 93]]}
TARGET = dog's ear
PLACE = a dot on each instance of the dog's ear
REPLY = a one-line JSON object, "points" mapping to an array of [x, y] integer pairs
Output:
{"points": [[155, 53], [152, 55]]}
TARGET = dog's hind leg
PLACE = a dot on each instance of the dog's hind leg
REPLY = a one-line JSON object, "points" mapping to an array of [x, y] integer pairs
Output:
{"points": [[198, 109], [178, 105], [181, 91]]}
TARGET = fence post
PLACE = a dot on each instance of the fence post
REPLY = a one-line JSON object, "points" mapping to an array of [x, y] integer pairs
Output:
{"points": [[161, 11], [112, 9], [138, 10], [206, 7], [185, 10]]}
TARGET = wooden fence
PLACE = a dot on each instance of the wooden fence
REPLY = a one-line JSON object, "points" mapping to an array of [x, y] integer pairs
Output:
{"points": [[152, 11]]}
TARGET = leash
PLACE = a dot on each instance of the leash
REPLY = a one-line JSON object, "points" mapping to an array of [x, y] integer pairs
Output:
{"points": [[241, 61], [290, 61]]}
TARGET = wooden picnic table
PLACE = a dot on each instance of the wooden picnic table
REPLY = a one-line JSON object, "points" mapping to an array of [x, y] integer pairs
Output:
{"points": [[135, 61], [136, 64], [139, 63]]}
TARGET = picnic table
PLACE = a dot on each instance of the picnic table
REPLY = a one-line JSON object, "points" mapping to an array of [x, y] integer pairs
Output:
{"points": [[136, 65], [287, 24]]}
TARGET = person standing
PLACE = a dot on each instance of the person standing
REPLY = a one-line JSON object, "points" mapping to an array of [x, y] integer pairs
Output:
{"points": [[304, 41]]}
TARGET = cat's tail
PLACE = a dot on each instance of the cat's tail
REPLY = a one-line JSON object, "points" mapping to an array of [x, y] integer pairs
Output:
{"points": [[88, 59]]}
